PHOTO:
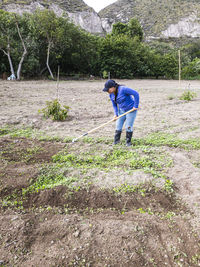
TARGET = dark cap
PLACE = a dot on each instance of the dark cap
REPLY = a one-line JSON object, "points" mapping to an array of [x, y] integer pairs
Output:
{"points": [[109, 84]]}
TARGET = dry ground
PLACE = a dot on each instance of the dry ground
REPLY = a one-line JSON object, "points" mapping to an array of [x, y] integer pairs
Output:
{"points": [[95, 225]]}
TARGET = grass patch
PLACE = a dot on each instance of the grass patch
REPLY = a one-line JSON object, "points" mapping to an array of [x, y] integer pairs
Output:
{"points": [[139, 158], [164, 139], [51, 176], [158, 139]]}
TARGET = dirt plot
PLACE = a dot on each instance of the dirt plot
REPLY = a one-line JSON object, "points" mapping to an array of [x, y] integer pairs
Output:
{"points": [[89, 203]]}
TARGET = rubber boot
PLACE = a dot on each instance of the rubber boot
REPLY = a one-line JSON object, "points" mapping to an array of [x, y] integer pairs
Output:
{"points": [[117, 137], [128, 138]]}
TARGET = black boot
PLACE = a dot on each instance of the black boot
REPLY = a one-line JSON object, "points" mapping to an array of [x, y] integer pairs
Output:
{"points": [[117, 137], [128, 138]]}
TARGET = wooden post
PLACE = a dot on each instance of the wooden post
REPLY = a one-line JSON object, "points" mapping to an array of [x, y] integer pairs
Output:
{"points": [[58, 80], [179, 67]]}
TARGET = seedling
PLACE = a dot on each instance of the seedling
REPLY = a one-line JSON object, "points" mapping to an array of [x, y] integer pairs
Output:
{"points": [[54, 111]]}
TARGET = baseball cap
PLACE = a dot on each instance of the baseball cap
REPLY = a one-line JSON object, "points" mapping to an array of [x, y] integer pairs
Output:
{"points": [[109, 84]]}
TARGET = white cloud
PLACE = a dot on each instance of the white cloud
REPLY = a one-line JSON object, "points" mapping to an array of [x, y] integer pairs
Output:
{"points": [[97, 5]]}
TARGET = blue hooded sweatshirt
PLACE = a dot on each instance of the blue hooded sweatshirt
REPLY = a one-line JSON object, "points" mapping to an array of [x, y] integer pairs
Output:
{"points": [[126, 99]]}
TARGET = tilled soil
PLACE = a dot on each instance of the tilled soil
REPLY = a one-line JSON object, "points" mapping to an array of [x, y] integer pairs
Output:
{"points": [[93, 225]]}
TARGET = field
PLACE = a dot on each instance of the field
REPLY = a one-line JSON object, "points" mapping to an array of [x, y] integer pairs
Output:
{"points": [[90, 203]]}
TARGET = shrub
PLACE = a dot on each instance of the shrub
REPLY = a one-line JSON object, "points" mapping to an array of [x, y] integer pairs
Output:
{"points": [[187, 95], [192, 70], [54, 111]]}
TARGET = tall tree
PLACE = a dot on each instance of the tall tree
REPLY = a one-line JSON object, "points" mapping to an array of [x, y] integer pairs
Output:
{"points": [[119, 55], [135, 29], [7, 32], [132, 29], [46, 26], [119, 28], [10, 37], [24, 49]]}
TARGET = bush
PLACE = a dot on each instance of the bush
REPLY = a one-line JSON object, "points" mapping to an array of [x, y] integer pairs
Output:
{"points": [[187, 95], [54, 111], [192, 70]]}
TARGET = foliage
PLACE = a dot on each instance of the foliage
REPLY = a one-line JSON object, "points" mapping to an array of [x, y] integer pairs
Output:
{"points": [[53, 41], [131, 29], [192, 69], [188, 95], [169, 185], [118, 55], [192, 49], [135, 29], [54, 111], [119, 28]]}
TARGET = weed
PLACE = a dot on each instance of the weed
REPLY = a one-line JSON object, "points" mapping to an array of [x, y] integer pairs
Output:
{"points": [[4, 131], [50, 176], [169, 215], [142, 211], [197, 164], [139, 188], [164, 139], [188, 95], [168, 186]]}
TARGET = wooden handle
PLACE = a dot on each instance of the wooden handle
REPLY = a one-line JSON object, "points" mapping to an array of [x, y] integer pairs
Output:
{"points": [[102, 125]]}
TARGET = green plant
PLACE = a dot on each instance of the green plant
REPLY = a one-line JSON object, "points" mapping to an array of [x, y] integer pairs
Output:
{"points": [[188, 95], [54, 111], [168, 186]]}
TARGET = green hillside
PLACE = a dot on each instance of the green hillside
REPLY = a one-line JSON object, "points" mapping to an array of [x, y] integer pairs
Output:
{"points": [[154, 15]]}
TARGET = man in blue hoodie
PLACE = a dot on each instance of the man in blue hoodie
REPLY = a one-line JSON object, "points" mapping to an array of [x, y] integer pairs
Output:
{"points": [[123, 99]]}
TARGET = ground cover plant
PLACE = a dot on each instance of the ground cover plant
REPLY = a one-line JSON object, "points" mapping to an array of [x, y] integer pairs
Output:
{"points": [[90, 203]]}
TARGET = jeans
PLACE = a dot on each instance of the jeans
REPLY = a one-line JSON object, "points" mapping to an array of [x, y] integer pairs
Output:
{"points": [[129, 118]]}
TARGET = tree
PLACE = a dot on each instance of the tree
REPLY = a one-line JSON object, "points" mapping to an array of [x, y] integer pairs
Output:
{"points": [[119, 28], [10, 37], [192, 70], [7, 32], [132, 29], [135, 29], [24, 50], [169, 65], [45, 25], [119, 55]]}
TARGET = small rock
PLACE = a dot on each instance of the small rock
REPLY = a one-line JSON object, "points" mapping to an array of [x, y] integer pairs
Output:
{"points": [[14, 218], [77, 233]]}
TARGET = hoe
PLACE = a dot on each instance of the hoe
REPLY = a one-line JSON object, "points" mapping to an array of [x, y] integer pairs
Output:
{"points": [[102, 125]]}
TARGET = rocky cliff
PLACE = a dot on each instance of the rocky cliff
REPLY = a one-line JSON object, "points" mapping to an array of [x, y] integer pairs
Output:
{"points": [[80, 13], [159, 18]]}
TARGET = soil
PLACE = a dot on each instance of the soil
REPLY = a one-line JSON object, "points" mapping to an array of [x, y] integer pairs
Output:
{"points": [[95, 226]]}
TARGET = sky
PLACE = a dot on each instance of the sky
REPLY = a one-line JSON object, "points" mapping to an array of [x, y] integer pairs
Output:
{"points": [[99, 4]]}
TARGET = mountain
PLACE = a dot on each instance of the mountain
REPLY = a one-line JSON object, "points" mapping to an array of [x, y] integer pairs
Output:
{"points": [[160, 19], [80, 13]]}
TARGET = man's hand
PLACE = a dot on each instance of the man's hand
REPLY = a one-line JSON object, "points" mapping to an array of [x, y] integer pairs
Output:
{"points": [[134, 108]]}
